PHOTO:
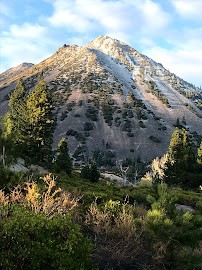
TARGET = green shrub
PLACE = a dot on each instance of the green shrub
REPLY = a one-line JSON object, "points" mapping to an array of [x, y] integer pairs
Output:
{"points": [[130, 237], [34, 241], [142, 124], [130, 134], [154, 139], [92, 113], [63, 115], [108, 111], [88, 126], [91, 172]]}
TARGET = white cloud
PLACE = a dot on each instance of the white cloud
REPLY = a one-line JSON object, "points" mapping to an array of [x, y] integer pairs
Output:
{"points": [[126, 16], [140, 23], [154, 17], [25, 43], [26, 31], [186, 63], [188, 8]]}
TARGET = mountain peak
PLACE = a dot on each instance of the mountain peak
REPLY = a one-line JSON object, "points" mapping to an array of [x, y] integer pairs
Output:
{"points": [[105, 41], [14, 71], [26, 65]]}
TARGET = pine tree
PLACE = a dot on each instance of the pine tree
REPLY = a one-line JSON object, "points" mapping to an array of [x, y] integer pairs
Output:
{"points": [[63, 161], [16, 121], [39, 110], [18, 94], [181, 159], [199, 159], [95, 174], [91, 172]]}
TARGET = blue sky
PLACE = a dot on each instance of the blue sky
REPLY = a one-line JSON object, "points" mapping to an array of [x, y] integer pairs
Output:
{"points": [[169, 31]]}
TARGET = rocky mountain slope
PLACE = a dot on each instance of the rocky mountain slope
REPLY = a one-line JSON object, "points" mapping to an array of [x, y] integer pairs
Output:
{"points": [[14, 71], [110, 97]]}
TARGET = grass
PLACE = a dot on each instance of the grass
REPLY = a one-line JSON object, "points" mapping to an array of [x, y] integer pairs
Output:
{"points": [[103, 190]]}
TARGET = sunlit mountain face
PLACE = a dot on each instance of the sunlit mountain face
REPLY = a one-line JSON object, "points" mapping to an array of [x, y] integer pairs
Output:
{"points": [[111, 99]]}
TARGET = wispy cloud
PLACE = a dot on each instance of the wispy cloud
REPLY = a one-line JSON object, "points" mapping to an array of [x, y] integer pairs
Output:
{"points": [[167, 31], [185, 58], [188, 8], [123, 16], [24, 43]]}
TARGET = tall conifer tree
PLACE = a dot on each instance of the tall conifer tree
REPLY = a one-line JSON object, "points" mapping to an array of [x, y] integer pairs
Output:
{"points": [[199, 152], [63, 161], [39, 109], [181, 159], [15, 121]]}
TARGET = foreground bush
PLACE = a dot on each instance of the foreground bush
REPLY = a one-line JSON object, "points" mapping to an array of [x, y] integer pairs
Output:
{"points": [[34, 241], [36, 231], [130, 238]]}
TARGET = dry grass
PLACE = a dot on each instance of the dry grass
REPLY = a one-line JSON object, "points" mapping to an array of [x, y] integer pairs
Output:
{"points": [[119, 243], [51, 201]]}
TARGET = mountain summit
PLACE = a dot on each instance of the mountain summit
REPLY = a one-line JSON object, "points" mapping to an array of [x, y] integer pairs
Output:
{"points": [[112, 101]]}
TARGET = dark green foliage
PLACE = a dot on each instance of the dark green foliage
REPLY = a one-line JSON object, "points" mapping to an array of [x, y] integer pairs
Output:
{"points": [[16, 121], [199, 152], [71, 132], [95, 174], [108, 111], [182, 230], [77, 115], [39, 106], [63, 115], [117, 121], [63, 161], [127, 126], [92, 113], [140, 114], [28, 126], [154, 139], [77, 135], [130, 134], [106, 157], [137, 102], [162, 128], [79, 153], [85, 172], [142, 124], [33, 241], [181, 159], [133, 237], [88, 126], [70, 106], [90, 172]]}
